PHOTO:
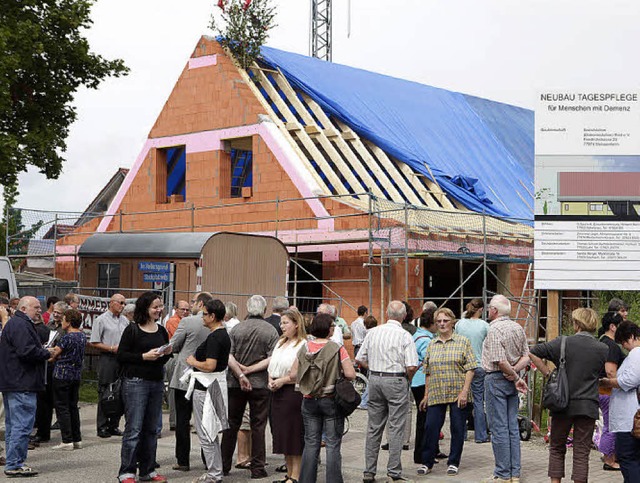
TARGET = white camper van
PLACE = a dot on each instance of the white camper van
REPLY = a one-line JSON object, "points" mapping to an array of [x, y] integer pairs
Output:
{"points": [[7, 278]]}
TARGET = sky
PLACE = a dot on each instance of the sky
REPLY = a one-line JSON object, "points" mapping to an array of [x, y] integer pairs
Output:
{"points": [[503, 50]]}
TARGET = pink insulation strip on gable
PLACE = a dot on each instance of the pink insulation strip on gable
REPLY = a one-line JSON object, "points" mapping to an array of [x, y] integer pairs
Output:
{"points": [[204, 61], [212, 141]]}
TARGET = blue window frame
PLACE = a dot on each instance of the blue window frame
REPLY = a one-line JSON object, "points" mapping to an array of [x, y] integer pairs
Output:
{"points": [[241, 171]]}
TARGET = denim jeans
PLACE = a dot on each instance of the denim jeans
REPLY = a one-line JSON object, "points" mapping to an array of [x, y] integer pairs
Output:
{"points": [[434, 421], [318, 414], [142, 406], [19, 416], [501, 398], [628, 452], [479, 417]]}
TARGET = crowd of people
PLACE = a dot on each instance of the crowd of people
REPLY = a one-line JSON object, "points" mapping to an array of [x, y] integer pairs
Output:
{"points": [[233, 378]]}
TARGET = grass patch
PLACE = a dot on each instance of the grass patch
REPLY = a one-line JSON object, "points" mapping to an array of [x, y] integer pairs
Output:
{"points": [[88, 392]]}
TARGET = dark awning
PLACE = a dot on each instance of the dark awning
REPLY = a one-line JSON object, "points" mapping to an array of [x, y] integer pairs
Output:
{"points": [[158, 245]]}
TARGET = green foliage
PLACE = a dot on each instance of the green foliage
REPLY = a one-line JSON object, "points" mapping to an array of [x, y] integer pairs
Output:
{"points": [[244, 27], [44, 59]]}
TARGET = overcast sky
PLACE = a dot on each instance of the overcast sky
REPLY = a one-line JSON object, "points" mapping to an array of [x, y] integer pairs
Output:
{"points": [[503, 50]]}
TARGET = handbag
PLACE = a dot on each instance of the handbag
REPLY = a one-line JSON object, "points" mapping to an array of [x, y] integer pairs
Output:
{"points": [[346, 397], [111, 400], [635, 430], [556, 391]]}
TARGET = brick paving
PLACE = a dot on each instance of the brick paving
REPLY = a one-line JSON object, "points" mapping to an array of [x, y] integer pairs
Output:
{"points": [[99, 460]]}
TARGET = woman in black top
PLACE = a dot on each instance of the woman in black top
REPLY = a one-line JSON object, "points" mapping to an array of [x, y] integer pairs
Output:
{"points": [[142, 354], [607, 333], [212, 356], [585, 357]]}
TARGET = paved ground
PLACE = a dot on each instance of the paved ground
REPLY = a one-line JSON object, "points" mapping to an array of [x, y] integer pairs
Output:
{"points": [[99, 460]]}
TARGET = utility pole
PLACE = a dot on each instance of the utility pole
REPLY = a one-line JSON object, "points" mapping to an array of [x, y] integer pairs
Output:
{"points": [[321, 29]]}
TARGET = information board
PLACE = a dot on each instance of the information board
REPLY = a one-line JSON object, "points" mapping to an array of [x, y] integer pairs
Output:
{"points": [[587, 211]]}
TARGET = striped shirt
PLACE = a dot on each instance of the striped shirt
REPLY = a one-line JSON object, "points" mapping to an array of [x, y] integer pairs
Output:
{"points": [[388, 348], [446, 363], [506, 341]]}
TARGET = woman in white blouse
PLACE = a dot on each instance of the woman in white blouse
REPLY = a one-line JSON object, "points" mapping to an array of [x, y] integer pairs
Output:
{"points": [[286, 403], [625, 401]]}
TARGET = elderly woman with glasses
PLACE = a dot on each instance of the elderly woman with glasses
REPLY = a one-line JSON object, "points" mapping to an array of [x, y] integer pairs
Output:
{"points": [[449, 365]]}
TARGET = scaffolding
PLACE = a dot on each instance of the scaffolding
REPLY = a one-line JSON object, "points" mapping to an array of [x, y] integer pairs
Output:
{"points": [[382, 230]]}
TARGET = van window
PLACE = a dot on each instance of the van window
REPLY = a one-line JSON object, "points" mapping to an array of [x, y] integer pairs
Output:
{"points": [[4, 286]]}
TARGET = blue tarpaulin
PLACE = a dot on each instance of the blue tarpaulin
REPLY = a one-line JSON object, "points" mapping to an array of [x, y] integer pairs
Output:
{"points": [[479, 151]]}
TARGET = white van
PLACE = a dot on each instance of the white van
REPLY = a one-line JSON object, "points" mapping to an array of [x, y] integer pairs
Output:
{"points": [[7, 278]]}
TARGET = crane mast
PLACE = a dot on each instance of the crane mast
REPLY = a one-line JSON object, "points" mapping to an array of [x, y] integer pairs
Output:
{"points": [[321, 29]]}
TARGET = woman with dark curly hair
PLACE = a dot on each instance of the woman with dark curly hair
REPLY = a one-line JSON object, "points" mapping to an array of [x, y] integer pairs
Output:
{"points": [[142, 353]]}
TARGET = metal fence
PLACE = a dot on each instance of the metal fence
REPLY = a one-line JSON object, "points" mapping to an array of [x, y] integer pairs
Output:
{"points": [[388, 231]]}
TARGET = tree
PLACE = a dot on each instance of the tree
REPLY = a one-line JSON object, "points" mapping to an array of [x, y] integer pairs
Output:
{"points": [[44, 59], [244, 28]]}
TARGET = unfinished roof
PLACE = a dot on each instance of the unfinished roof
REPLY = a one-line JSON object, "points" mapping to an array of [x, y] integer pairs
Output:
{"points": [[420, 145]]}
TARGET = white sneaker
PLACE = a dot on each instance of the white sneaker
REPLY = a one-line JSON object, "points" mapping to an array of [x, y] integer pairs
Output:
{"points": [[452, 470], [63, 446], [423, 470], [496, 479], [77, 445]]}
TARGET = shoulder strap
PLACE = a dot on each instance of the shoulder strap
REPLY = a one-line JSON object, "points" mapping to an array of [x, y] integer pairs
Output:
{"points": [[563, 344]]}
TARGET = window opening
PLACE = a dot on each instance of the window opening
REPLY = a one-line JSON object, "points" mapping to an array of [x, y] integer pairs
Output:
{"points": [[108, 278], [176, 171], [241, 171]]}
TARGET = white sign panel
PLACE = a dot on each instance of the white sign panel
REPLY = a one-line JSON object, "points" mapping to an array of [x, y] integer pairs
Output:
{"points": [[587, 229]]}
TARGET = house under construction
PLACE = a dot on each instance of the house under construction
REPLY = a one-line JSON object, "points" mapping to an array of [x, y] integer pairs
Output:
{"points": [[380, 188]]}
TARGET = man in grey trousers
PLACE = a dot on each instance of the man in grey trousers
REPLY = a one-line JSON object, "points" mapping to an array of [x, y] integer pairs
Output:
{"points": [[388, 351]]}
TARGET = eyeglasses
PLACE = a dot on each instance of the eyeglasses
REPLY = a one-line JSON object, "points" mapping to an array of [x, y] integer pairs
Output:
{"points": [[183, 308], [121, 302]]}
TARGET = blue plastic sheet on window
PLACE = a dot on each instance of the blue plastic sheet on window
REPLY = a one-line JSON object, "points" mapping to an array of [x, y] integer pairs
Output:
{"points": [[479, 151]]}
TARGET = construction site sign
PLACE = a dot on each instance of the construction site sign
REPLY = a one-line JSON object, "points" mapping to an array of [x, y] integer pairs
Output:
{"points": [[587, 200]]}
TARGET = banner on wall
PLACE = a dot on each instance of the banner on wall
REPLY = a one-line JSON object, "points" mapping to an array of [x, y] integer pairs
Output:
{"points": [[587, 199]]}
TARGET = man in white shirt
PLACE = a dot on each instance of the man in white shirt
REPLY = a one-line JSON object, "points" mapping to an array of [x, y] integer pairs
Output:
{"points": [[391, 357], [358, 330]]}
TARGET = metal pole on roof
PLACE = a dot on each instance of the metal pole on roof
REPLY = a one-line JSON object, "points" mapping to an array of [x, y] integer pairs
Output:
{"points": [[321, 29]]}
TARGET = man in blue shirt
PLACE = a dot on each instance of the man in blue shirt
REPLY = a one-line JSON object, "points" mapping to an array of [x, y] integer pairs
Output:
{"points": [[22, 359]]}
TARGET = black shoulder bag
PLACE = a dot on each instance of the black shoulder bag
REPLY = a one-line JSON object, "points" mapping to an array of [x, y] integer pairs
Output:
{"points": [[555, 396]]}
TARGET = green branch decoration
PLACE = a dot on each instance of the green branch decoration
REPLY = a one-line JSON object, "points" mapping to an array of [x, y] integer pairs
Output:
{"points": [[243, 27]]}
